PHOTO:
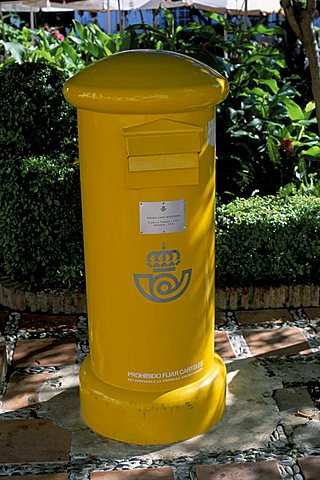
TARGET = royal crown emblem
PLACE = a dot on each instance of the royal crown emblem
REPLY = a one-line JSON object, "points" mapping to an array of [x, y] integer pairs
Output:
{"points": [[162, 286]]}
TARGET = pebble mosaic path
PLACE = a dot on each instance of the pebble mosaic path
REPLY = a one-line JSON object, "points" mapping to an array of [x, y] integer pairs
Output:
{"points": [[39, 363]]}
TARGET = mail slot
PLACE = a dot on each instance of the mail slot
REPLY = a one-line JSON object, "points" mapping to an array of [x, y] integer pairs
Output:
{"points": [[165, 145], [171, 161], [147, 148]]}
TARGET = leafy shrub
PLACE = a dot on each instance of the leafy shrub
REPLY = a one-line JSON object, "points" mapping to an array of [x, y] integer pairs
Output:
{"points": [[40, 222], [265, 140], [40, 208], [83, 45], [34, 117], [261, 240], [266, 135], [268, 240], [267, 130]]}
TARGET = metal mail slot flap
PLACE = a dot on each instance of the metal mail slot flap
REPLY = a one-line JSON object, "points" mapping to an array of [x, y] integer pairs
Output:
{"points": [[173, 142], [162, 137], [163, 162], [162, 153]]}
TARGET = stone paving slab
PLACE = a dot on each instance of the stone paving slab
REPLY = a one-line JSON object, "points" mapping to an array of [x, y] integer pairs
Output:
{"points": [[310, 467], [23, 390], [37, 323], [274, 316], [306, 436], [44, 352], [313, 313], [248, 385], [300, 417], [25, 441], [240, 471], [290, 372], [42, 476], [296, 398], [222, 345], [271, 414], [281, 341], [138, 474]]}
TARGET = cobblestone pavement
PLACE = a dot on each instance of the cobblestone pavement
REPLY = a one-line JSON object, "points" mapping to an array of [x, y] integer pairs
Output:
{"points": [[270, 430]]}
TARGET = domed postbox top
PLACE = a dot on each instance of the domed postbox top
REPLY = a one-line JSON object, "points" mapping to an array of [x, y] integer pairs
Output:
{"points": [[146, 82]]}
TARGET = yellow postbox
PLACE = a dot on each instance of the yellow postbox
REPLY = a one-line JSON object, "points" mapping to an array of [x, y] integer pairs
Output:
{"points": [[147, 145]]}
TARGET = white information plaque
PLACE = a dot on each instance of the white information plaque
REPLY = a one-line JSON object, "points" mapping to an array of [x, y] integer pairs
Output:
{"points": [[163, 217]]}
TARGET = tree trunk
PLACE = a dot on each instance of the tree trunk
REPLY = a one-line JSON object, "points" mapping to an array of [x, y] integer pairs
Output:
{"points": [[301, 22], [311, 47]]}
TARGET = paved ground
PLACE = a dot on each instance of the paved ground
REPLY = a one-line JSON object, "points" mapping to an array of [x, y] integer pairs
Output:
{"points": [[270, 430]]}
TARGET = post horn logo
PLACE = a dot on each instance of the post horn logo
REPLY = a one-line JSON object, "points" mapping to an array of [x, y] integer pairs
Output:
{"points": [[163, 285]]}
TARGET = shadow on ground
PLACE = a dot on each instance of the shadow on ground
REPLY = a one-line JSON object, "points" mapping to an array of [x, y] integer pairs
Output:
{"points": [[250, 418]]}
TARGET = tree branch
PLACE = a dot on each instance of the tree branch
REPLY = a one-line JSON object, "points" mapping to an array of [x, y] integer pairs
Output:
{"points": [[311, 47], [311, 5], [290, 14], [301, 22]]}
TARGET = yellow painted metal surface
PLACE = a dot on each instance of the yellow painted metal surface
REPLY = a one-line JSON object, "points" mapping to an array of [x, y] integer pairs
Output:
{"points": [[147, 145]]}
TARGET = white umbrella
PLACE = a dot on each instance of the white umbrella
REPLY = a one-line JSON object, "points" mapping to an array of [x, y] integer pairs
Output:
{"points": [[246, 7], [106, 5], [251, 7], [113, 4], [18, 7], [133, 4], [239, 7]]}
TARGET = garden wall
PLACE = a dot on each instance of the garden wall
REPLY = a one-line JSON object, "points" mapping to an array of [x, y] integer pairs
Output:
{"points": [[255, 298]]}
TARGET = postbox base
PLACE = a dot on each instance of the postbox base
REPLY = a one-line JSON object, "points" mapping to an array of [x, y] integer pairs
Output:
{"points": [[150, 418]]}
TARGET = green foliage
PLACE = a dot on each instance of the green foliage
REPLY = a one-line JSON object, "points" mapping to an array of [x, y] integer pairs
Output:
{"points": [[40, 208], [40, 222], [268, 240], [266, 141], [199, 41], [14, 42], [34, 117], [168, 38], [266, 131], [84, 45], [265, 123]]}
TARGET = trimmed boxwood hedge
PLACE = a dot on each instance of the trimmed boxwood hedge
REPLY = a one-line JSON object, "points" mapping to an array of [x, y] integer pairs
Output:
{"points": [[40, 222], [40, 207], [268, 240], [35, 119]]}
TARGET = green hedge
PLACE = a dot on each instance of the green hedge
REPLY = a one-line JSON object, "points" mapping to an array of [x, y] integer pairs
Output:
{"points": [[34, 117], [40, 208], [268, 240], [40, 222]]}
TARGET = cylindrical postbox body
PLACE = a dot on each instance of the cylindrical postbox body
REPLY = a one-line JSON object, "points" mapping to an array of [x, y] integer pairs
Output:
{"points": [[147, 145]]}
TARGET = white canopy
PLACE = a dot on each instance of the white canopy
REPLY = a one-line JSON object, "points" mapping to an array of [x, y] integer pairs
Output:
{"points": [[252, 7], [244, 7]]}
